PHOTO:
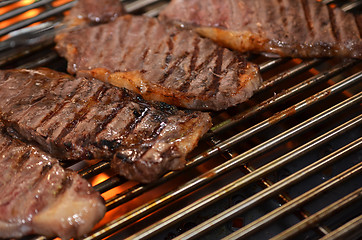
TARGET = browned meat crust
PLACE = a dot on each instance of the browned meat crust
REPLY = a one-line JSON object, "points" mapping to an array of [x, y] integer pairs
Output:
{"points": [[160, 62], [303, 28], [94, 12], [84, 119], [37, 196]]}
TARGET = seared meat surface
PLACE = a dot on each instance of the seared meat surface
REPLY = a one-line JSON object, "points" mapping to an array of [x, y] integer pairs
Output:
{"points": [[305, 28], [160, 62], [77, 118], [37, 196], [94, 12]]}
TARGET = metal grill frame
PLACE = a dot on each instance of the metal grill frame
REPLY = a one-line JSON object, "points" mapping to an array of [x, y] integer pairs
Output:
{"points": [[348, 75]]}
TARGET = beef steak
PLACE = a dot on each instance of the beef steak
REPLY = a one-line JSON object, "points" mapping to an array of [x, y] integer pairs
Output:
{"points": [[160, 62], [77, 118], [38, 196], [303, 28]]}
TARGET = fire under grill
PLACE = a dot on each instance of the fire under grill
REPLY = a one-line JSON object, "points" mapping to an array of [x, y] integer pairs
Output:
{"points": [[287, 163]]}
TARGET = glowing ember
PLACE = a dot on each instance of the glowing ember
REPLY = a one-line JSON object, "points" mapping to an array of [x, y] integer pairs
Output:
{"points": [[29, 14]]}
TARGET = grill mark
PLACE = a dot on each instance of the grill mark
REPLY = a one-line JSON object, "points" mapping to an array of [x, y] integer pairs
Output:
{"points": [[207, 60], [145, 53], [6, 146], [100, 51], [125, 28], [6, 76], [131, 49], [241, 63], [20, 92], [195, 54], [307, 16], [65, 184], [216, 72], [172, 68], [282, 14], [22, 159], [155, 133], [334, 28], [168, 56], [79, 116], [132, 125], [45, 170], [58, 107], [100, 127], [359, 26], [99, 34]]}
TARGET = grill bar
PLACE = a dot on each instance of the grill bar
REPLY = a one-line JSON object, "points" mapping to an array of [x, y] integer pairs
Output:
{"points": [[289, 73], [288, 207], [322, 214], [41, 16], [95, 169], [8, 2], [21, 10], [351, 230], [221, 169], [243, 181]]}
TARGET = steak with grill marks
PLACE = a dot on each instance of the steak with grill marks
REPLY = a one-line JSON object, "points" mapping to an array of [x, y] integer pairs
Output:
{"points": [[160, 62], [77, 118], [37, 196], [304, 28]]}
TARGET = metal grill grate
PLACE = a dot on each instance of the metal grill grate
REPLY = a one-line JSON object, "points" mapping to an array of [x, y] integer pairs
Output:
{"points": [[287, 163]]}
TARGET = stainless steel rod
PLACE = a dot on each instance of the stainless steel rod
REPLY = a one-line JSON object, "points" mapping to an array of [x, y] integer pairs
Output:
{"points": [[305, 65], [350, 230], [7, 2], [295, 203], [21, 10], [271, 64], [39, 17], [244, 181], [314, 219]]}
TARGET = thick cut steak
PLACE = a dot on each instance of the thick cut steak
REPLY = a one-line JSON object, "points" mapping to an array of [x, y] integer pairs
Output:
{"points": [[296, 28], [160, 62], [37, 196], [77, 118]]}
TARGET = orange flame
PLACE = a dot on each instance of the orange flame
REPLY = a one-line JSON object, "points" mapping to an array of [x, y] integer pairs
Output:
{"points": [[29, 14]]}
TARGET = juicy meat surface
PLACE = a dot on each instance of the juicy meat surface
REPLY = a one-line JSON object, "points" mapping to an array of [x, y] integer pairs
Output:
{"points": [[38, 196], [94, 12], [77, 118], [161, 62], [305, 28]]}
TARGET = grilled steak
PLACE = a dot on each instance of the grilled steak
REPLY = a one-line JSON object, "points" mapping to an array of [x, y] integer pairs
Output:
{"points": [[37, 196], [76, 119], [305, 28], [160, 62]]}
